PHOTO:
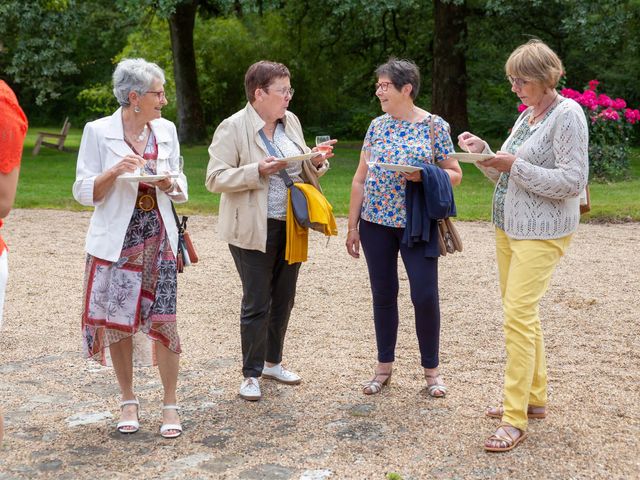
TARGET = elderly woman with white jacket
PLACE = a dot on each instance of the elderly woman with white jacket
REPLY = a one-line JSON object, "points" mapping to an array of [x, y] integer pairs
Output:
{"points": [[253, 209], [129, 171], [540, 173]]}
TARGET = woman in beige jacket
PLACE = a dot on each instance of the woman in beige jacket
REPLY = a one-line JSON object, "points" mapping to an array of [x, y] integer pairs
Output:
{"points": [[253, 208]]}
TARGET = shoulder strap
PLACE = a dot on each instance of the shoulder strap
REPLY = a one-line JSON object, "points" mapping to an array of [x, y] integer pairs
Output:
{"points": [[272, 151], [180, 226], [433, 139]]}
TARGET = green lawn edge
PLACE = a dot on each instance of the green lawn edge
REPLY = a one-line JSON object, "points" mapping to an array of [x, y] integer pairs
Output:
{"points": [[46, 181]]}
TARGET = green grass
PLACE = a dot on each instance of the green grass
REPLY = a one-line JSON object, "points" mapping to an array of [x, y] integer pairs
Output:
{"points": [[46, 180]]}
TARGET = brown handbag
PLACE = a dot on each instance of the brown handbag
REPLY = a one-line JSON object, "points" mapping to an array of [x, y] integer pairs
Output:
{"points": [[449, 241], [585, 202], [188, 245]]}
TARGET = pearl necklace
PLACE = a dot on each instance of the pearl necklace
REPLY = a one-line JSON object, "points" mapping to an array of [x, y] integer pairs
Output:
{"points": [[143, 133], [141, 137]]}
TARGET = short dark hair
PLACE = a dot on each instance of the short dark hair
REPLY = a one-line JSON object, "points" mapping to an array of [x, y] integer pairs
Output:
{"points": [[261, 74], [401, 72]]}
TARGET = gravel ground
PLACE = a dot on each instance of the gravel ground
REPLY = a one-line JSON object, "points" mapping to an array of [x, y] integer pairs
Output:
{"points": [[61, 409]]}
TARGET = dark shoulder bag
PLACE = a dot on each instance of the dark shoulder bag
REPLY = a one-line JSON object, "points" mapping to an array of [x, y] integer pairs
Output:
{"points": [[298, 200]]}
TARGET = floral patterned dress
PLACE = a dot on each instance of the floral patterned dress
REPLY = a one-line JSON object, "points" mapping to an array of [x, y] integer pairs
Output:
{"points": [[135, 296], [389, 140]]}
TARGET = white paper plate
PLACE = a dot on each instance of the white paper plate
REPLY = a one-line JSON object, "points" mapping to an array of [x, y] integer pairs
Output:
{"points": [[396, 168], [299, 158], [471, 157], [147, 178]]}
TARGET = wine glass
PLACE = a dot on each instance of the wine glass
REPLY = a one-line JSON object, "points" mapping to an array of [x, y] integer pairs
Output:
{"points": [[180, 164], [321, 141]]}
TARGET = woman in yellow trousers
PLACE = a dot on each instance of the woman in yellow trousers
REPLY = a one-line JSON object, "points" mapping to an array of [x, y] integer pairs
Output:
{"points": [[539, 173]]}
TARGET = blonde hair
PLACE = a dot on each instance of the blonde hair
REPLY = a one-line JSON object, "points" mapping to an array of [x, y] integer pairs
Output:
{"points": [[535, 61]]}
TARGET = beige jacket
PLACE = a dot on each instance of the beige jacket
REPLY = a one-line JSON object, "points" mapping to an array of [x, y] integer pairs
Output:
{"points": [[234, 154]]}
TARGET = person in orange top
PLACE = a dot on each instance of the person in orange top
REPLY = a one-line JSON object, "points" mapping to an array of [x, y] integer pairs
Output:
{"points": [[13, 128]]}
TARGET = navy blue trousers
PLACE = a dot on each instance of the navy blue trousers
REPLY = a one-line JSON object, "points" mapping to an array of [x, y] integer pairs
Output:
{"points": [[381, 245]]}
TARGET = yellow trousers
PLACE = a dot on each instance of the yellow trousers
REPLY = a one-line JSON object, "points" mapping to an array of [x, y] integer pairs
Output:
{"points": [[525, 268]]}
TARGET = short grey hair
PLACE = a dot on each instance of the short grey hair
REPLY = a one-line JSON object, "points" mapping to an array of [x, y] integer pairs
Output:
{"points": [[401, 72], [134, 75]]}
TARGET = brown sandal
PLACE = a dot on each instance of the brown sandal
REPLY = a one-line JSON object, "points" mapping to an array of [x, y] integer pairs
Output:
{"points": [[509, 442], [374, 386], [497, 412]]}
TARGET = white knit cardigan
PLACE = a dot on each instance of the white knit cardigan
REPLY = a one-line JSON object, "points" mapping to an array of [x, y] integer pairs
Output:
{"points": [[548, 176]]}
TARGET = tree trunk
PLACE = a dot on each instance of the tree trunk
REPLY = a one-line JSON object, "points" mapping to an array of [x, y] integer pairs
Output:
{"points": [[449, 76], [191, 126]]}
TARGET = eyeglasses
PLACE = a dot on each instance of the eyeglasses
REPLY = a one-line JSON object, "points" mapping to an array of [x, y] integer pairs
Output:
{"points": [[384, 86], [159, 93], [517, 82], [284, 91]]}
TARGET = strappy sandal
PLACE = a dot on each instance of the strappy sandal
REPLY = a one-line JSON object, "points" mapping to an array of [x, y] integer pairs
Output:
{"points": [[509, 442], [497, 412], [435, 387], [373, 386], [170, 430], [129, 426]]}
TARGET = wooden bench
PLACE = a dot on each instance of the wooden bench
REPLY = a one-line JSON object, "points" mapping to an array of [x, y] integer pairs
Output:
{"points": [[60, 137]]}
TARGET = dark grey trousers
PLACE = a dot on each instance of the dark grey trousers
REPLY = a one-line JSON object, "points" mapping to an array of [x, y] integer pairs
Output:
{"points": [[268, 293]]}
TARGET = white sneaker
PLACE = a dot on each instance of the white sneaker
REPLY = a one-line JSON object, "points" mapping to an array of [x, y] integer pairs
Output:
{"points": [[250, 389], [281, 374]]}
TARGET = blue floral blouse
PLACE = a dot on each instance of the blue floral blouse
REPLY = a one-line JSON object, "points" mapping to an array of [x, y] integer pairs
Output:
{"points": [[389, 140]]}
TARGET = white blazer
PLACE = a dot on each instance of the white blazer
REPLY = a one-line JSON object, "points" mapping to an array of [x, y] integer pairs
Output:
{"points": [[101, 147]]}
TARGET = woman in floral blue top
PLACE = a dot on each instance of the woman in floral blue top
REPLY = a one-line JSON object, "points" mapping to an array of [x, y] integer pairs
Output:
{"points": [[377, 218]]}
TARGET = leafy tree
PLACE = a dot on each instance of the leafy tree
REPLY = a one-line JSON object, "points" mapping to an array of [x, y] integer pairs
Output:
{"points": [[334, 59], [36, 51], [221, 81], [331, 47], [181, 16], [51, 49], [191, 126], [449, 82], [590, 37]]}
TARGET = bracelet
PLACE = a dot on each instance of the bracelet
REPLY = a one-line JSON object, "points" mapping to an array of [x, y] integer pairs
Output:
{"points": [[171, 187], [352, 230]]}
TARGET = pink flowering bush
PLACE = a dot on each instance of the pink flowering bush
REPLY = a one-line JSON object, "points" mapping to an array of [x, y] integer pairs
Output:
{"points": [[610, 124]]}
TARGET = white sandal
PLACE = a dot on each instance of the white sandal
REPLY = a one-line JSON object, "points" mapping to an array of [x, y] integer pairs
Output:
{"points": [[374, 386], [169, 427], [435, 387], [135, 424]]}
